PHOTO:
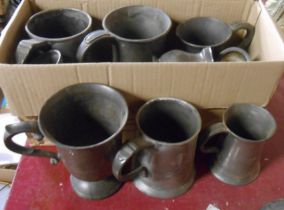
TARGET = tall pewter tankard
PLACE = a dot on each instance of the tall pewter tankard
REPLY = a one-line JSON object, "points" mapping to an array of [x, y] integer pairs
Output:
{"points": [[84, 121]]}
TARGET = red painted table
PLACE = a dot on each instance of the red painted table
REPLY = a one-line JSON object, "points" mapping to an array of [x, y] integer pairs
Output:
{"points": [[40, 186]]}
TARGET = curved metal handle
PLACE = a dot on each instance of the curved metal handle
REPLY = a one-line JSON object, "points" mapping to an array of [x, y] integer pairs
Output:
{"points": [[93, 38], [208, 134], [225, 54], [29, 127], [26, 47], [124, 155], [250, 30]]}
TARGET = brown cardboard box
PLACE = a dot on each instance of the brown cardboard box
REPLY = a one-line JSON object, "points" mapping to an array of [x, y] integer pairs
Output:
{"points": [[7, 174], [207, 85]]}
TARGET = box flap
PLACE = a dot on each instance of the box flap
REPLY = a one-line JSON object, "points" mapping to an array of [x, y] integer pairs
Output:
{"points": [[15, 29], [229, 10]]}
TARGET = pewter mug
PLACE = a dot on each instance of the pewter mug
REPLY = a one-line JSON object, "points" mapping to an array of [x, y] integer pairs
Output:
{"points": [[31, 51], [274, 205], [200, 32], [84, 121], [231, 54], [164, 151], [205, 55], [62, 29], [137, 34], [48, 57], [236, 158]]}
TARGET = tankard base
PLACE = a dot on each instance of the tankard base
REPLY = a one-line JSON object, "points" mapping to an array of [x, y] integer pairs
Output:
{"points": [[231, 180], [95, 190], [160, 192]]}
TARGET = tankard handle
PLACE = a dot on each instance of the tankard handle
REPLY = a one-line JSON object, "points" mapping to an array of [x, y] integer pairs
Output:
{"points": [[27, 47], [91, 40], [124, 155], [29, 127], [250, 31], [208, 134], [222, 55]]}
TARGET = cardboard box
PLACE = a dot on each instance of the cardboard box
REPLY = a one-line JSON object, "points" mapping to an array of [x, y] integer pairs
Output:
{"points": [[7, 174], [207, 85]]}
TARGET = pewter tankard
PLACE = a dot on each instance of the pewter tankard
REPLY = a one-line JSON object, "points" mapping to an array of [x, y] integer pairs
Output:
{"points": [[200, 32], [231, 54], [61, 29], [236, 159], [84, 121], [137, 34], [181, 56], [165, 149], [49, 57]]}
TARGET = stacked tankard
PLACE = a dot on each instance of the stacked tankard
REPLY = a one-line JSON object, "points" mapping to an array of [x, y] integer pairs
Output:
{"points": [[130, 34], [85, 122]]}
